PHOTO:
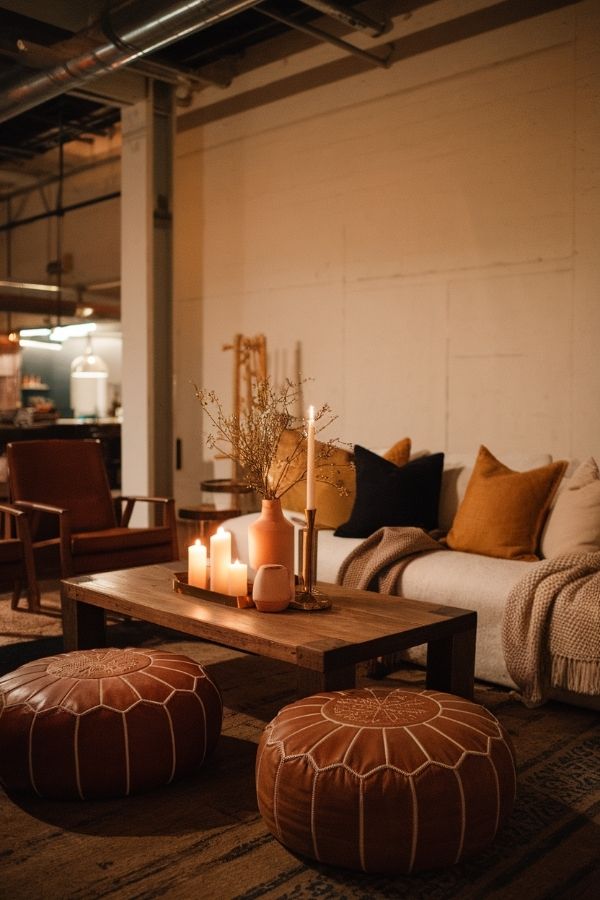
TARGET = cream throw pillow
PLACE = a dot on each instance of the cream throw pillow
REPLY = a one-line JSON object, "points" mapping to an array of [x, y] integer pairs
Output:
{"points": [[573, 525], [503, 511]]}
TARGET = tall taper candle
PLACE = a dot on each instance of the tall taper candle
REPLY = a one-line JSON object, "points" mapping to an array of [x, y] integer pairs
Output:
{"points": [[310, 459]]}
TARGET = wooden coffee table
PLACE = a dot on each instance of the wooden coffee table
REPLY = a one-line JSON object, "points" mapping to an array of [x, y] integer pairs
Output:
{"points": [[324, 646]]}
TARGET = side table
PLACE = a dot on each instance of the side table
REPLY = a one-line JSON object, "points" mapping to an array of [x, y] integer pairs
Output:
{"points": [[207, 518]]}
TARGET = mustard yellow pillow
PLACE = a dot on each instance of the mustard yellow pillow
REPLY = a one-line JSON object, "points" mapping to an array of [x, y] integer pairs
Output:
{"points": [[333, 507], [503, 511], [399, 454]]}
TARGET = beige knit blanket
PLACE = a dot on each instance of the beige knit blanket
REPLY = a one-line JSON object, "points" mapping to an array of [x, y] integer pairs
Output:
{"points": [[551, 628], [378, 563]]}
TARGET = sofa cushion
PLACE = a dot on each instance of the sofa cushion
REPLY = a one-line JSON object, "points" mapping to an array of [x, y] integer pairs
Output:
{"points": [[390, 495], [334, 496], [399, 454], [503, 511], [458, 468], [573, 524]]}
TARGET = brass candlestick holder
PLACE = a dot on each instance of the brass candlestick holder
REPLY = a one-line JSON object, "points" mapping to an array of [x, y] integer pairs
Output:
{"points": [[307, 596]]}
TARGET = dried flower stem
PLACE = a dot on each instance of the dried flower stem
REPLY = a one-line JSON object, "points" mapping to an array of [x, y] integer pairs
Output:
{"points": [[251, 440]]}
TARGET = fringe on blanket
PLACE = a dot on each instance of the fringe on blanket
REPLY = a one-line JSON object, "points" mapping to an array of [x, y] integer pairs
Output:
{"points": [[581, 676]]}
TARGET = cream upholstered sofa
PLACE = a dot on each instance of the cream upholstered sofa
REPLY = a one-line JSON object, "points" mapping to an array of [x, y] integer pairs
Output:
{"points": [[450, 577]]}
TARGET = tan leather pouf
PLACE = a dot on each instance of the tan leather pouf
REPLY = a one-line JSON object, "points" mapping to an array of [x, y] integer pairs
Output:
{"points": [[385, 781], [105, 723]]}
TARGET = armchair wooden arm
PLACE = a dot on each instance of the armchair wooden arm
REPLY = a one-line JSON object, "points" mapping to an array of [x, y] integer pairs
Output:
{"points": [[166, 505], [16, 524], [34, 511]]}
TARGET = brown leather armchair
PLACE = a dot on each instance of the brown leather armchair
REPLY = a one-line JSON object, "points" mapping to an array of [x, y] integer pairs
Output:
{"points": [[75, 525], [16, 557]]}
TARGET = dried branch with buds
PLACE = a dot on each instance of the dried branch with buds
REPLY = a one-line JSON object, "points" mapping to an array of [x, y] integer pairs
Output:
{"points": [[252, 439]]}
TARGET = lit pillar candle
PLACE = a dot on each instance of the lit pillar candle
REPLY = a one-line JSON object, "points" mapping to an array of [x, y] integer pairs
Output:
{"points": [[238, 579], [197, 565], [310, 459], [220, 560]]}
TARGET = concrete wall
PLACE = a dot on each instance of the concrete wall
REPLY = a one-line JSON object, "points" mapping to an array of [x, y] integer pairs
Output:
{"points": [[428, 235]]}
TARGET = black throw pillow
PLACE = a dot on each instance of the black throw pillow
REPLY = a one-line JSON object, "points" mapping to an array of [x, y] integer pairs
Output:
{"points": [[387, 494]]}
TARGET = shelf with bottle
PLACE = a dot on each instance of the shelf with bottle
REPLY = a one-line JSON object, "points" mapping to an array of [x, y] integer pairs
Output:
{"points": [[33, 383]]}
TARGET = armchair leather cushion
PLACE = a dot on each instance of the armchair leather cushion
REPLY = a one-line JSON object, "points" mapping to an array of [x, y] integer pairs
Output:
{"points": [[11, 550], [118, 539]]}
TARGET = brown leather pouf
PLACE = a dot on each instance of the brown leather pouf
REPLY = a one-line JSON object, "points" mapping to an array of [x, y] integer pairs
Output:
{"points": [[387, 780], [105, 723]]}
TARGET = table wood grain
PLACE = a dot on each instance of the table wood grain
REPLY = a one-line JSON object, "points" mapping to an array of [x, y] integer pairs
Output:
{"points": [[325, 646]]}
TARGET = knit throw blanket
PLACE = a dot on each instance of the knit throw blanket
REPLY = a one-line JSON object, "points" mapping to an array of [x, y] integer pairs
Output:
{"points": [[551, 628], [378, 563]]}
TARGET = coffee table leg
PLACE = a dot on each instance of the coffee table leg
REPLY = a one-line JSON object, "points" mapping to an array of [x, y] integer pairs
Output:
{"points": [[84, 626], [451, 664], [308, 681]]}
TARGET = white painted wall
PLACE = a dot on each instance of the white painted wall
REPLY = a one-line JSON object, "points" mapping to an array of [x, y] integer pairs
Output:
{"points": [[428, 234]]}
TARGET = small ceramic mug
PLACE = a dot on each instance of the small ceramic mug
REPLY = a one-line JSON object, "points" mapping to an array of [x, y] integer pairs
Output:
{"points": [[271, 588]]}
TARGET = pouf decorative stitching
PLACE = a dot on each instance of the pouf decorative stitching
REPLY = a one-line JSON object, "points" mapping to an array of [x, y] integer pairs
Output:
{"points": [[105, 723], [385, 780]]}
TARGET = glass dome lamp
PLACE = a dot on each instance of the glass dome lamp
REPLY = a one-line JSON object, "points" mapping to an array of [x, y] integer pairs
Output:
{"points": [[89, 381]]}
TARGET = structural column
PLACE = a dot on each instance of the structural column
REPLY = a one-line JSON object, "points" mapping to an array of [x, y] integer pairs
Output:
{"points": [[146, 296]]}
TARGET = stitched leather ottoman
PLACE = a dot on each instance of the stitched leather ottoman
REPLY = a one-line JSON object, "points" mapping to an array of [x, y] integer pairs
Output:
{"points": [[105, 723], [385, 781]]}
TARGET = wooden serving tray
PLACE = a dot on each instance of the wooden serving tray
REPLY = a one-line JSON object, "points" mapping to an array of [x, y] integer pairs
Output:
{"points": [[181, 586]]}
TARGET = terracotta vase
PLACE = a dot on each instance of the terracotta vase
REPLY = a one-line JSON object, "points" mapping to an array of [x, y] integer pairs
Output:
{"points": [[271, 540]]}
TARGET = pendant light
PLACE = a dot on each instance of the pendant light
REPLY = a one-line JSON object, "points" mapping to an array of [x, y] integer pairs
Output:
{"points": [[89, 382]]}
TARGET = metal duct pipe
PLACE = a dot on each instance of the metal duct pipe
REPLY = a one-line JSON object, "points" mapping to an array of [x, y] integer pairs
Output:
{"points": [[324, 36], [25, 297], [132, 30], [352, 17], [42, 306]]}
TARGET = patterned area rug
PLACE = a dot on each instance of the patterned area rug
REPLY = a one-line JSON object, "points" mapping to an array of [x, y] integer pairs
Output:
{"points": [[204, 838]]}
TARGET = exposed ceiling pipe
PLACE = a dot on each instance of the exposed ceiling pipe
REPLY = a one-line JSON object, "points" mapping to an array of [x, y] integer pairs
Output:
{"points": [[25, 297], [324, 36], [41, 306], [349, 16], [132, 30]]}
